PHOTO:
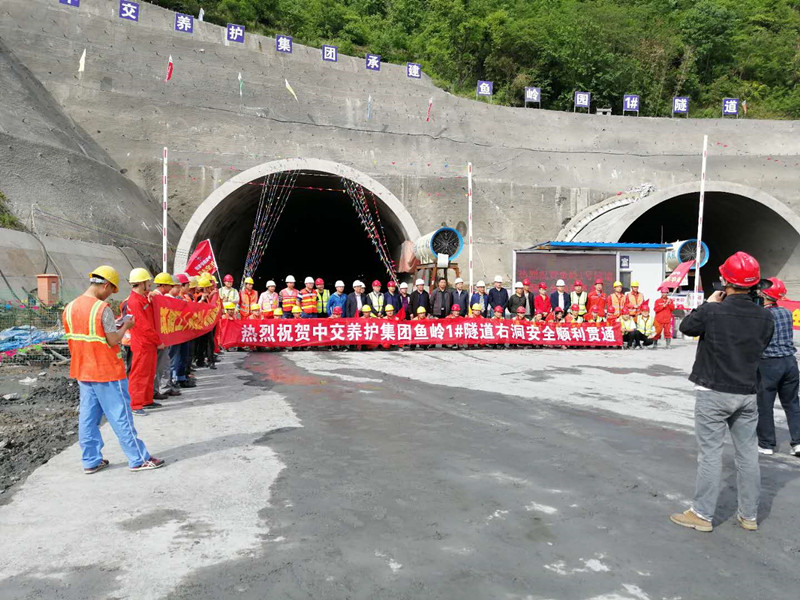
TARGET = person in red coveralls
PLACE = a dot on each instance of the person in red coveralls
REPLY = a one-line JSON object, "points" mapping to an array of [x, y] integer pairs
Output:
{"points": [[541, 304], [597, 302], [663, 307], [145, 343], [615, 303]]}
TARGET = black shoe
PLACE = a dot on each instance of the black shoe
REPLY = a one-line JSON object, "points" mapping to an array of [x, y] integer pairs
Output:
{"points": [[173, 392], [213, 367], [160, 396], [187, 384], [153, 405]]}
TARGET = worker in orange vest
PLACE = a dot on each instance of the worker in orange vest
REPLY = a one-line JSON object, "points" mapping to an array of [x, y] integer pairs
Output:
{"points": [[615, 303], [288, 297], [307, 299], [597, 302], [634, 300], [247, 298], [97, 365], [145, 343]]}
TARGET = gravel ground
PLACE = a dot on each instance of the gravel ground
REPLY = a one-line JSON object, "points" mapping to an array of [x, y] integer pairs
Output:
{"points": [[36, 421]]}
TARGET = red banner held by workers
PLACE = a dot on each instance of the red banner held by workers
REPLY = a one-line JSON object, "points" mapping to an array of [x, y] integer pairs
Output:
{"points": [[287, 333], [794, 308], [678, 275], [178, 321], [202, 260]]}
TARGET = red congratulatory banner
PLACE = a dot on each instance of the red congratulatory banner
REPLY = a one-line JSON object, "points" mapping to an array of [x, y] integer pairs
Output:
{"points": [[178, 321], [282, 333], [794, 307]]}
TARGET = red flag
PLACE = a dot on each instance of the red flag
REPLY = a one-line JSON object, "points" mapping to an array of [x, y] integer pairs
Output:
{"points": [[202, 260], [678, 275], [169, 69], [430, 105]]}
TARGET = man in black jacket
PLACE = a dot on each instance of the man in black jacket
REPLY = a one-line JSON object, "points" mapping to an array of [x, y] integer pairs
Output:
{"points": [[419, 297], [355, 300], [441, 300], [733, 333]]}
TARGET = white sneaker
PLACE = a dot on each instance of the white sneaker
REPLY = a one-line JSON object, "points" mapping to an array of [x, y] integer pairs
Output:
{"points": [[767, 451], [796, 449]]}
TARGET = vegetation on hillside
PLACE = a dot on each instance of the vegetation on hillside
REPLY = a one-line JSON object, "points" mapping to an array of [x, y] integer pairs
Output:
{"points": [[704, 49]]}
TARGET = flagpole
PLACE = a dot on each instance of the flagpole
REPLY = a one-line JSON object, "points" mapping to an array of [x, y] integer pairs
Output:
{"points": [[469, 222], [699, 249], [164, 216]]}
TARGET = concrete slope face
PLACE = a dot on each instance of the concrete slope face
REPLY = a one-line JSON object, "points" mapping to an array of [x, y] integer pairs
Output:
{"points": [[538, 173], [50, 165]]}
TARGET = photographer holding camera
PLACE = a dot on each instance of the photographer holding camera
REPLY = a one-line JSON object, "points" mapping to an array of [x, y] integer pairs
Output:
{"points": [[733, 332]]}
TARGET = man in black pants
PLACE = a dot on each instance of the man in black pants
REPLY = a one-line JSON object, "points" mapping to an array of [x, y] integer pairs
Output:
{"points": [[778, 375]]}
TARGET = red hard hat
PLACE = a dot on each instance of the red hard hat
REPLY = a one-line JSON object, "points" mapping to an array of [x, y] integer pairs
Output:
{"points": [[598, 280], [579, 282], [645, 306], [319, 281], [521, 310], [574, 307], [624, 311], [498, 308], [526, 281], [391, 284], [376, 282], [664, 289], [183, 277], [777, 291], [542, 286], [227, 278], [456, 308], [337, 309], [741, 270]]}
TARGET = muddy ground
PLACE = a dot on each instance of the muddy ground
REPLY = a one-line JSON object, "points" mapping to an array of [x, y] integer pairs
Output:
{"points": [[37, 420]]}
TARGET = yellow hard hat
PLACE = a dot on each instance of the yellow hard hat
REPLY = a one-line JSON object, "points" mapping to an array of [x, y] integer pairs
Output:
{"points": [[389, 307], [255, 307], [476, 306], [617, 284], [421, 310], [193, 281], [138, 275], [229, 306], [277, 312], [108, 273], [634, 284], [248, 280], [366, 308], [296, 309], [204, 281], [162, 279], [214, 279]]}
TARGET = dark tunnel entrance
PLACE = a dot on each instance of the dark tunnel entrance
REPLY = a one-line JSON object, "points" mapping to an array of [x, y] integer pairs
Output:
{"points": [[731, 222], [318, 234]]}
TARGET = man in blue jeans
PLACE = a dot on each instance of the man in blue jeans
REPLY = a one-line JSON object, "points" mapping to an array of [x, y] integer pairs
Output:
{"points": [[778, 375], [733, 332]]}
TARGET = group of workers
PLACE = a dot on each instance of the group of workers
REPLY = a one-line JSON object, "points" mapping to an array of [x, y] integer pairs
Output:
{"points": [[640, 326]]}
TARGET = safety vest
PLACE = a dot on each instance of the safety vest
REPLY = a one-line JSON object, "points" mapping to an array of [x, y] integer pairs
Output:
{"points": [[634, 301], [92, 358], [616, 302], [645, 325], [229, 295], [308, 300], [580, 300], [288, 299], [247, 297], [376, 301], [268, 301], [627, 326], [322, 300]]}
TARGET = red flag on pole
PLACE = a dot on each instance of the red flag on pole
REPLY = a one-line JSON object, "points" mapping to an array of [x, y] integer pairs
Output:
{"points": [[678, 275], [169, 69], [202, 260], [430, 106]]}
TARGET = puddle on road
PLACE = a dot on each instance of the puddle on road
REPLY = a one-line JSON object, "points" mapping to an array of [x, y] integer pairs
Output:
{"points": [[262, 441], [653, 370], [153, 519]]}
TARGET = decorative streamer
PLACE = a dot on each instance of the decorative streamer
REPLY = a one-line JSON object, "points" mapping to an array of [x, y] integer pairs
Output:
{"points": [[201, 15], [82, 62], [169, 69], [291, 91], [241, 84], [430, 106], [368, 217], [369, 108]]}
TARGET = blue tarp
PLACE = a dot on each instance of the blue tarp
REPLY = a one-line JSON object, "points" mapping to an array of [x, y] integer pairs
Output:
{"points": [[21, 336]]}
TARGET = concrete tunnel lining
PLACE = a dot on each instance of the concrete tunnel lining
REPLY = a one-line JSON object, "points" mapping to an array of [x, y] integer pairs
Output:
{"points": [[227, 216]]}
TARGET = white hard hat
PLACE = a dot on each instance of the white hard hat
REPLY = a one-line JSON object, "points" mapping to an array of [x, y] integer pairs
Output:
{"points": [[339, 283], [518, 284], [309, 280], [458, 280], [419, 282], [270, 282], [404, 286], [560, 282], [481, 283], [498, 279], [358, 283], [289, 279]]}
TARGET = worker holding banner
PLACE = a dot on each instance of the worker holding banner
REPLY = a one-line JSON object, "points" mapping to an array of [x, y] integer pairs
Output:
{"points": [[145, 343]]}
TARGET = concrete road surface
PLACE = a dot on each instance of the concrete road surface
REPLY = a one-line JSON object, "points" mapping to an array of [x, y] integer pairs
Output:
{"points": [[429, 474]]}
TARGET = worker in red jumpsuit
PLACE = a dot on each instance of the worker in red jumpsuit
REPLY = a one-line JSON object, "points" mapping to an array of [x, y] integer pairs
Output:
{"points": [[541, 303], [145, 343], [597, 302], [615, 303], [663, 307]]}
